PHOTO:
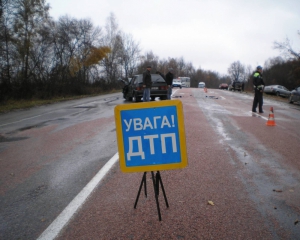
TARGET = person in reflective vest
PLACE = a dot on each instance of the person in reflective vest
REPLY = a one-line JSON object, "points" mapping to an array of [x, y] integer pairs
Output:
{"points": [[259, 85]]}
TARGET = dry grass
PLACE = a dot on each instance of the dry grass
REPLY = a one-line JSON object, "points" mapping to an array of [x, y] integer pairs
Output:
{"points": [[11, 105], [270, 96], [276, 98]]}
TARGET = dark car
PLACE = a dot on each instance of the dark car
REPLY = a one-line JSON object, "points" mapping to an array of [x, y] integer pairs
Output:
{"points": [[295, 95], [223, 86], [133, 90], [277, 90], [236, 85]]}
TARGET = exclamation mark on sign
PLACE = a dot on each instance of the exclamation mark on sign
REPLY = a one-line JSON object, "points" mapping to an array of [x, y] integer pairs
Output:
{"points": [[173, 124]]}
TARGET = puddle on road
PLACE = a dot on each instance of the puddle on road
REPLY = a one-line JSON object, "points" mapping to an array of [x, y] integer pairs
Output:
{"points": [[11, 139], [38, 191], [176, 96], [213, 97], [30, 127], [95, 104], [86, 106], [111, 99]]}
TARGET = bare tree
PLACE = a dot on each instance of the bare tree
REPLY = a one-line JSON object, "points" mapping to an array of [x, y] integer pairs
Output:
{"points": [[148, 59], [113, 40], [273, 61], [173, 63], [129, 55], [5, 44], [29, 15], [189, 69], [181, 66], [65, 46], [88, 51], [248, 72], [287, 50], [163, 66], [237, 72], [40, 54]]}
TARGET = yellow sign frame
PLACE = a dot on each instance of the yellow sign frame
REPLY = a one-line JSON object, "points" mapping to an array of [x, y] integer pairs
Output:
{"points": [[181, 132]]}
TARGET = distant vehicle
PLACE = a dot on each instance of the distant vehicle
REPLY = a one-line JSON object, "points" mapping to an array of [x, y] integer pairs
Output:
{"points": [[176, 83], [185, 81], [236, 85], [223, 86], [133, 90], [201, 85], [277, 90], [295, 95]]}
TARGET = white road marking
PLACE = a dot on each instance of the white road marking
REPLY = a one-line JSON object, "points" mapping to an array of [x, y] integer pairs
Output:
{"points": [[64, 217], [173, 92], [259, 115]]}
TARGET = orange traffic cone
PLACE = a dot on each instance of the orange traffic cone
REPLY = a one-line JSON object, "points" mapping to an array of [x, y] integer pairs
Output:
{"points": [[271, 120], [205, 89]]}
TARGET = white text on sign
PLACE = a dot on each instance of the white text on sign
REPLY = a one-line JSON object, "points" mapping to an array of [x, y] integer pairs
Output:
{"points": [[157, 122], [151, 138]]}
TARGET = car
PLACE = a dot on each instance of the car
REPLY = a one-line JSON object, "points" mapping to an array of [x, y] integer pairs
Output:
{"points": [[133, 89], [201, 85], [223, 86], [277, 90], [295, 95], [236, 85], [176, 83]]}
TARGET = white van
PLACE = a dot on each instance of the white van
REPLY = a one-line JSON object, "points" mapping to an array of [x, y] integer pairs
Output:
{"points": [[201, 85]]}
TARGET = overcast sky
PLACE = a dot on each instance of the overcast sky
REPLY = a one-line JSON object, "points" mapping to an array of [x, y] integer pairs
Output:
{"points": [[211, 34]]}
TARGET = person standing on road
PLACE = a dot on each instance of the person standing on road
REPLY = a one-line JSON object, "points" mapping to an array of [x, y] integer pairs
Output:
{"points": [[147, 83], [169, 81], [259, 85]]}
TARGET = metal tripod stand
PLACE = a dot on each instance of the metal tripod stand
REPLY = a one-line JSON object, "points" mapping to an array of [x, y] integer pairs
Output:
{"points": [[157, 181]]}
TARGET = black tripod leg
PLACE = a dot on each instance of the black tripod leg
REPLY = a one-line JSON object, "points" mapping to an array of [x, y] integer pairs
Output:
{"points": [[158, 179], [142, 182], [156, 196], [157, 183], [145, 183]]}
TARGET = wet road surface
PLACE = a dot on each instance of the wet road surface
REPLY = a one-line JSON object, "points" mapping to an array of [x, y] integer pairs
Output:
{"points": [[47, 155], [249, 171]]}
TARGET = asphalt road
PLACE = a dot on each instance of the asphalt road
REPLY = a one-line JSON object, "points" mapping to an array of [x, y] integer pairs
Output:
{"points": [[47, 155], [249, 170]]}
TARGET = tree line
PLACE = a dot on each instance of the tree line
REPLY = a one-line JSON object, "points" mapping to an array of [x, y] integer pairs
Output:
{"points": [[282, 70], [44, 58]]}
